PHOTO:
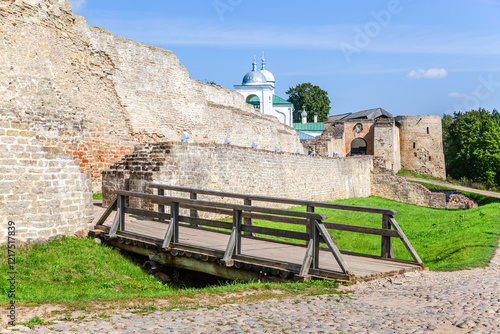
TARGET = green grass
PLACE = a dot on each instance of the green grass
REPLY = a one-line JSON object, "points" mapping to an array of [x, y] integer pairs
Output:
{"points": [[32, 322], [97, 196], [404, 172], [444, 239], [79, 273], [82, 268]]}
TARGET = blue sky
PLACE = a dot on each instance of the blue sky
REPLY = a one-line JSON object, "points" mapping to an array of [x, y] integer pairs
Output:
{"points": [[406, 56]]}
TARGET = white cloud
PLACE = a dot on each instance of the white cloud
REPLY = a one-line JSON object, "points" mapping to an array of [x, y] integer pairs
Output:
{"points": [[77, 5], [457, 94], [431, 73], [474, 94]]}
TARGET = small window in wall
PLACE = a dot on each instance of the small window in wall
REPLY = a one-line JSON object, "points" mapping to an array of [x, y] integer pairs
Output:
{"points": [[427, 130], [413, 145], [429, 158], [358, 127]]}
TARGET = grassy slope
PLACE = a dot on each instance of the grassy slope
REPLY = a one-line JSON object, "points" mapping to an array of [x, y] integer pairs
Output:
{"points": [[79, 271], [444, 239], [80, 267]]}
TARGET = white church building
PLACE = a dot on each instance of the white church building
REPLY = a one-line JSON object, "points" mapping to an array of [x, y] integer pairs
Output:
{"points": [[258, 89]]}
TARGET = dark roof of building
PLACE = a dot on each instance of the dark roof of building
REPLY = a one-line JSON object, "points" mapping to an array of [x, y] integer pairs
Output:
{"points": [[365, 114]]}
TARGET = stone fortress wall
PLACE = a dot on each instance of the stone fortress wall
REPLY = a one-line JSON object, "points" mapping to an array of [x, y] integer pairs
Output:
{"points": [[42, 190], [410, 142], [422, 145], [397, 188], [80, 98], [239, 170], [76, 101], [95, 95]]}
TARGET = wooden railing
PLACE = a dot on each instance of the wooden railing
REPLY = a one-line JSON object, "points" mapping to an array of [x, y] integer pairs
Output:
{"points": [[316, 235], [243, 216], [389, 226]]}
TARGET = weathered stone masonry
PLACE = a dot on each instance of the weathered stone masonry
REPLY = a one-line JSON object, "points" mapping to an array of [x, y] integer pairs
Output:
{"points": [[410, 142], [94, 95], [240, 170], [397, 188], [42, 190]]}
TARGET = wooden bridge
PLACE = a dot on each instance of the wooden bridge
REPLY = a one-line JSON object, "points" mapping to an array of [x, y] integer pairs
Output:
{"points": [[176, 236]]}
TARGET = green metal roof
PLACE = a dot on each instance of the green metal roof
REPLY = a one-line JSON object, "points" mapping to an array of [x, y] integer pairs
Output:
{"points": [[320, 126], [279, 100], [276, 100], [254, 100]]}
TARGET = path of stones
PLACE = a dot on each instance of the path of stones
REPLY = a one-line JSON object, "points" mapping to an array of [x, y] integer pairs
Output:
{"points": [[466, 301]]}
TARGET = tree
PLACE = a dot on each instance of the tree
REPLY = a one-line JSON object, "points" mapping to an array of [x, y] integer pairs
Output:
{"points": [[311, 98], [446, 123], [474, 146]]}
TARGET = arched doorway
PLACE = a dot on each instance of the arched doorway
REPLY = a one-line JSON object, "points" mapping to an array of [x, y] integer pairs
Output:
{"points": [[358, 147], [253, 100]]}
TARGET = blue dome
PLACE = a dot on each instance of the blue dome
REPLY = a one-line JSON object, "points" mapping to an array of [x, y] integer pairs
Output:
{"points": [[254, 77]]}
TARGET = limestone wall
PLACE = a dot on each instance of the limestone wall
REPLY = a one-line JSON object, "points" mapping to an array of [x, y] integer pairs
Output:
{"points": [[422, 145], [42, 190], [397, 188], [94, 95], [386, 143], [240, 170]]}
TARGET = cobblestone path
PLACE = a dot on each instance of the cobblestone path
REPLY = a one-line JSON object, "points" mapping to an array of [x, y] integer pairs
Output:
{"points": [[466, 301]]}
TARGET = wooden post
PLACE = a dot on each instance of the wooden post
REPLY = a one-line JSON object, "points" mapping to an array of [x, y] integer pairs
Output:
{"points": [[193, 213], [116, 221], [237, 214], [248, 221], [306, 263], [161, 207], [405, 241], [168, 236], [310, 223], [314, 236], [228, 254], [387, 249], [174, 211], [333, 246], [121, 205]]}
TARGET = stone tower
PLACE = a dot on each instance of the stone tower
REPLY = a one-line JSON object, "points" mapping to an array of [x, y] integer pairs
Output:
{"points": [[421, 145]]}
